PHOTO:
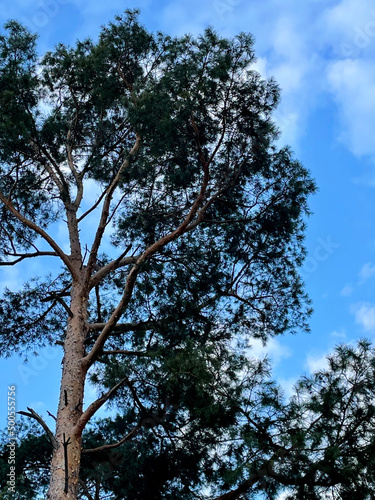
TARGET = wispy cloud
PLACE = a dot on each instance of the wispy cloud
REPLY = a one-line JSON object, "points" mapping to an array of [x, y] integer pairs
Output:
{"points": [[350, 26], [347, 290], [352, 83], [316, 363], [288, 385], [274, 350], [364, 313], [339, 334], [367, 272]]}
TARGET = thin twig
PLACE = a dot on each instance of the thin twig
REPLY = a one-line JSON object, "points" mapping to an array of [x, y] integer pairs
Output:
{"points": [[38, 418]]}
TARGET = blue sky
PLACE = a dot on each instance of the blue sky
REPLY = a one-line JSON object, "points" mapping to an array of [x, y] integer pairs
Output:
{"points": [[322, 55]]}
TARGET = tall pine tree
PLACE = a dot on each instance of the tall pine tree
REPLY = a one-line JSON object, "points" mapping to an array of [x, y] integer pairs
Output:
{"points": [[190, 248]]}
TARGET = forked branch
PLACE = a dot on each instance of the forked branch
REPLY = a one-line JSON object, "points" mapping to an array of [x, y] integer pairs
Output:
{"points": [[112, 266], [94, 407], [132, 276], [106, 208], [33, 414], [38, 230]]}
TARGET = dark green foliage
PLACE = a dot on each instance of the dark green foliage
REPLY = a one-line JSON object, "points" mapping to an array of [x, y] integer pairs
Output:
{"points": [[31, 317], [216, 434], [33, 453], [342, 439], [191, 101], [19, 90], [175, 138]]}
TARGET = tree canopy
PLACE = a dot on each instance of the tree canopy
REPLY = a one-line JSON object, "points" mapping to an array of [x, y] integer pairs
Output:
{"points": [[184, 223]]}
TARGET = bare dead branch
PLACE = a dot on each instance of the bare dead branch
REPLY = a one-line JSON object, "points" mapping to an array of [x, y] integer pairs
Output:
{"points": [[33, 414], [52, 168], [93, 207], [51, 415], [52, 296], [61, 301], [131, 434], [85, 489], [98, 304]]}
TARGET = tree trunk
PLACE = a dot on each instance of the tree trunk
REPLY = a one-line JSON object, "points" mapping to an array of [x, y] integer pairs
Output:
{"points": [[66, 458]]}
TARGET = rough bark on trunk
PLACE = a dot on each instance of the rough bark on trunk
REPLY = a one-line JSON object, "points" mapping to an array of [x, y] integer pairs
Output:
{"points": [[66, 458]]}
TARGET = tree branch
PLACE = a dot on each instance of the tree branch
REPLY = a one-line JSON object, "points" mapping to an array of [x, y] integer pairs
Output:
{"points": [[93, 207], [105, 210], [69, 152], [94, 407], [85, 489], [131, 434], [132, 276], [25, 256], [61, 301], [125, 327], [98, 304], [54, 295], [112, 266], [127, 353], [243, 488], [56, 175], [30, 224], [38, 148], [265, 470], [38, 418]]}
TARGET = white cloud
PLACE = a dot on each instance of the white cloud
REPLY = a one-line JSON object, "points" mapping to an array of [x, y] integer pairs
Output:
{"points": [[341, 334], [284, 495], [38, 406], [352, 83], [347, 290], [297, 41], [292, 40], [274, 350], [364, 315], [288, 384], [261, 66], [367, 272], [346, 21], [316, 363]]}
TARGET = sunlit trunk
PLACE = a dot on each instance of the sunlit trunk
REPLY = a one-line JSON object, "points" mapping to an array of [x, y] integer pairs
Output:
{"points": [[66, 458]]}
